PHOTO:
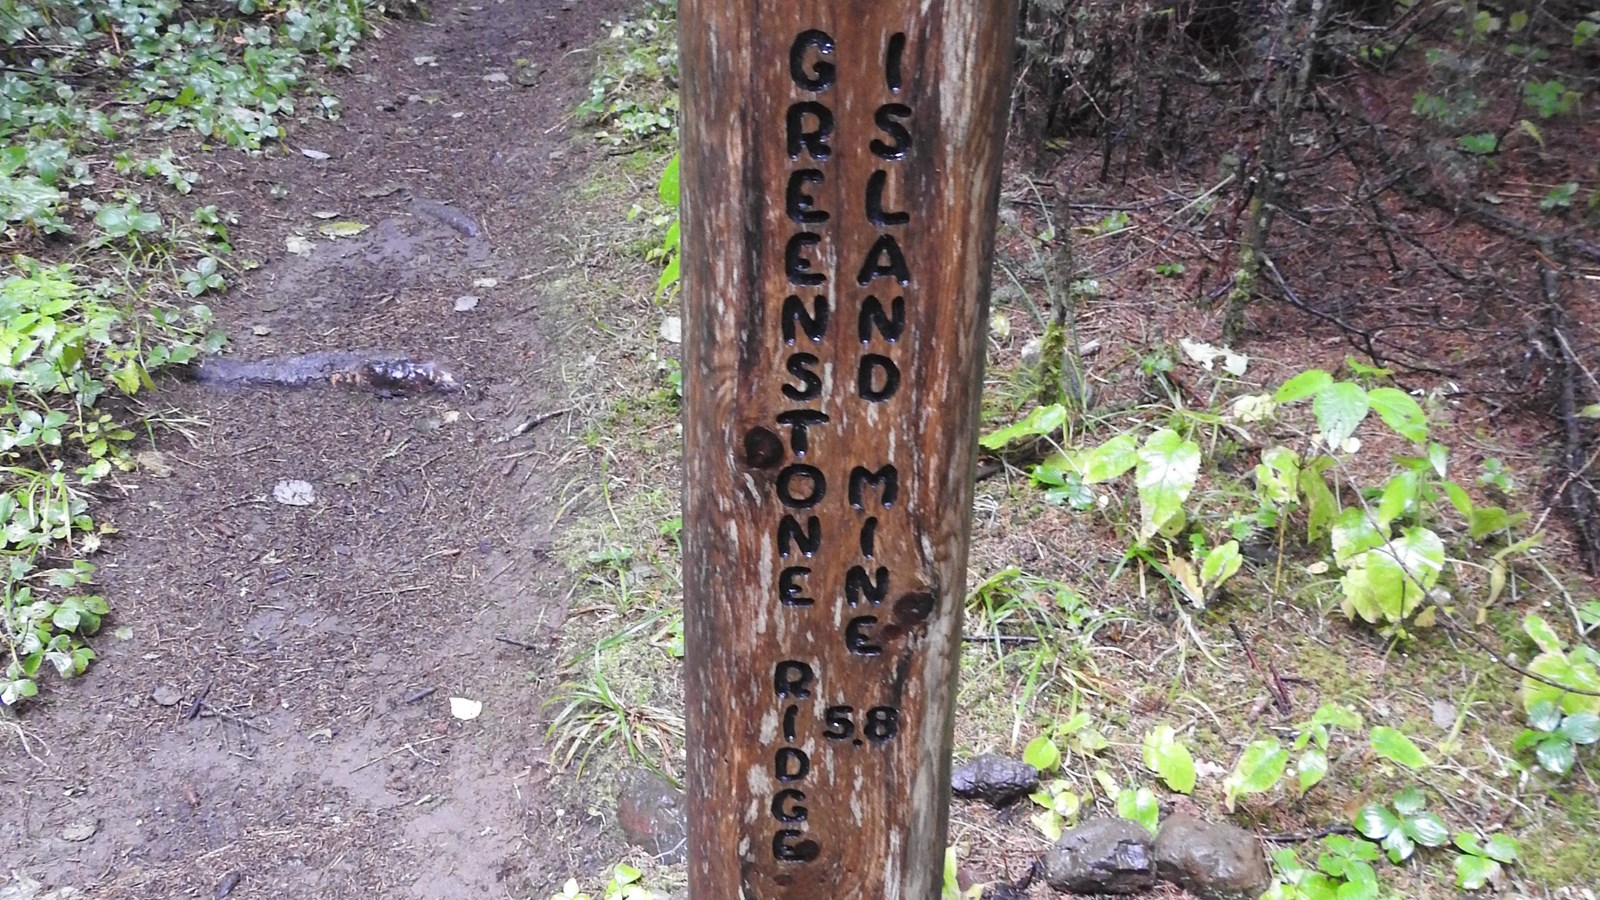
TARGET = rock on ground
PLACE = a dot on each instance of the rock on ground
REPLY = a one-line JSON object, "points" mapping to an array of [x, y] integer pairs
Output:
{"points": [[652, 815], [1213, 862], [996, 780], [1102, 856]]}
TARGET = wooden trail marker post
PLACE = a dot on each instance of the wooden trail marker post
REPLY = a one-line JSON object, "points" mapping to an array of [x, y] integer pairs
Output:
{"points": [[840, 175]]}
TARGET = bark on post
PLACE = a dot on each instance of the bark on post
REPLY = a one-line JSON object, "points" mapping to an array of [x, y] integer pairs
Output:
{"points": [[840, 173]]}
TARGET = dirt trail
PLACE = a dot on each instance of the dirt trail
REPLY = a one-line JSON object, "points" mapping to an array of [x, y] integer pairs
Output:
{"points": [[326, 640]]}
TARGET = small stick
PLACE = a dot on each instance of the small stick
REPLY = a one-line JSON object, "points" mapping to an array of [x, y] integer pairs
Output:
{"points": [[515, 643], [999, 639], [199, 701], [418, 696], [400, 749], [532, 423], [1280, 700], [1295, 837]]}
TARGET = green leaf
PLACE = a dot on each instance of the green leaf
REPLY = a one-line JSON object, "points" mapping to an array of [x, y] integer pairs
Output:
{"points": [[1400, 412], [1321, 506], [667, 188], [1221, 564], [1166, 756], [1042, 753], [1110, 460], [1398, 845], [1502, 847], [1339, 408], [1311, 768], [1166, 472], [1353, 534], [1473, 873], [1336, 715], [1041, 421], [1397, 497], [1375, 822], [1426, 829], [1556, 754], [1396, 747], [1479, 144], [1259, 769], [1410, 801], [1545, 716], [1278, 476], [1388, 583], [1582, 728], [1307, 384], [1140, 806], [1542, 634]]}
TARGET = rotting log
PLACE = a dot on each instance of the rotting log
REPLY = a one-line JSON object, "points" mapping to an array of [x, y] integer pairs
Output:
{"points": [[840, 176]]}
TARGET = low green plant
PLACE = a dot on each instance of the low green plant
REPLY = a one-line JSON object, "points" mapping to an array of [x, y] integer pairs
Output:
{"points": [[1139, 805], [1165, 755], [1483, 862], [1555, 737], [594, 715], [1344, 871], [1259, 769], [627, 100], [1403, 826]]}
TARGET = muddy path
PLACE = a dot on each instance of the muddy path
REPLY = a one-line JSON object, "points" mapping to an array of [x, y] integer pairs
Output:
{"points": [[275, 719]]}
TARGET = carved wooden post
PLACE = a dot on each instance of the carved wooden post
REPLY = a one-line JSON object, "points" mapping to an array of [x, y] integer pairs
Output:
{"points": [[840, 174]]}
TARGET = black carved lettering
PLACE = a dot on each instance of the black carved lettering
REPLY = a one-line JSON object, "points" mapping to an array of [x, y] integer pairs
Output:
{"points": [[890, 324], [822, 74], [790, 714], [794, 812], [868, 382], [883, 723], [888, 119], [884, 260], [859, 586], [787, 846], [814, 323], [892, 65], [791, 764], [857, 636], [886, 480], [793, 678], [800, 205], [800, 367], [876, 214], [798, 421], [869, 535], [790, 590], [798, 265], [763, 449], [789, 534], [840, 727], [814, 141], [812, 495]]}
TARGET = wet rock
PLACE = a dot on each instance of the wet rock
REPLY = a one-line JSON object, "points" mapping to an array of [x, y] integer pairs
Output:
{"points": [[652, 815], [1213, 862], [1103, 856], [996, 780]]}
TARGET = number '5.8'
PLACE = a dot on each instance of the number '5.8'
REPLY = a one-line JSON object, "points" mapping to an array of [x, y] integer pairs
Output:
{"points": [[880, 723]]}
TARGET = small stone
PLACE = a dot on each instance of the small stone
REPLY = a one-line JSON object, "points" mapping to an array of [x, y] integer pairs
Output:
{"points": [[1103, 856], [653, 817], [466, 303], [78, 832], [996, 780], [166, 695], [497, 78], [1213, 862]]}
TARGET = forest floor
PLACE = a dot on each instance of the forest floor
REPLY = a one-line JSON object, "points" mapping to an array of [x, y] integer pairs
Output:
{"points": [[270, 713], [326, 640]]}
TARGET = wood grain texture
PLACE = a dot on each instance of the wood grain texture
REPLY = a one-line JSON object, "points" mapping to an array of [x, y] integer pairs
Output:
{"points": [[838, 154]]}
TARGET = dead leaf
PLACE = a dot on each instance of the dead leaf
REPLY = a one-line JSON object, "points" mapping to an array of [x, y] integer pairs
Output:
{"points": [[343, 229], [314, 154], [464, 709]]}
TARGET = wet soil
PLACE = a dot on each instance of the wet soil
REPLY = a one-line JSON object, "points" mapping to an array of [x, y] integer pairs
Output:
{"points": [[276, 720]]}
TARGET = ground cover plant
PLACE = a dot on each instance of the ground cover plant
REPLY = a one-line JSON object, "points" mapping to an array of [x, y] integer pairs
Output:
{"points": [[1296, 556], [111, 254]]}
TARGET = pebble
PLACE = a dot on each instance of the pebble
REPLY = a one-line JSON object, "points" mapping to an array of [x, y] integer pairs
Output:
{"points": [[1102, 856], [996, 780], [166, 695]]}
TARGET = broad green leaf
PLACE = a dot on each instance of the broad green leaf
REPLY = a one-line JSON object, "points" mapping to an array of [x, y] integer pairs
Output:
{"points": [[1502, 847], [1322, 508], [1311, 768], [1557, 667], [1474, 873], [1221, 564], [1110, 460], [1376, 822], [1339, 408], [1278, 476], [1042, 753], [1396, 747], [1140, 806], [1388, 583], [1458, 498], [1581, 728], [1487, 520], [1039, 422], [1400, 412], [1337, 715], [1398, 498], [1398, 845], [1410, 801], [667, 188], [1556, 754], [1545, 716], [1166, 472], [1426, 829], [1307, 384], [1542, 634], [1259, 769], [1166, 756], [1353, 534]]}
